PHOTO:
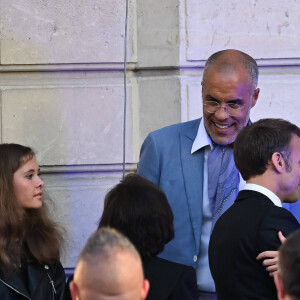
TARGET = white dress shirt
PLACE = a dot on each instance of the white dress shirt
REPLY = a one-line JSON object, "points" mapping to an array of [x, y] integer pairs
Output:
{"points": [[264, 191]]}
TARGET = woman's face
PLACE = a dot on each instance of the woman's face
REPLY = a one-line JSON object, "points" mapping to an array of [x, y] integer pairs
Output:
{"points": [[28, 185]]}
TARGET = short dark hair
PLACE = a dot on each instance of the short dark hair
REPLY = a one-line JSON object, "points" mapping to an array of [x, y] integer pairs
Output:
{"points": [[140, 210], [256, 143], [289, 264], [229, 63]]}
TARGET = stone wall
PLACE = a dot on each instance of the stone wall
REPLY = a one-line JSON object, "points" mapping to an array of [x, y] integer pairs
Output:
{"points": [[61, 83]]}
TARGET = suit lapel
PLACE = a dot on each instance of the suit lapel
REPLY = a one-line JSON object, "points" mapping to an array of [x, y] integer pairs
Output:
{"points": [[192, 166]]}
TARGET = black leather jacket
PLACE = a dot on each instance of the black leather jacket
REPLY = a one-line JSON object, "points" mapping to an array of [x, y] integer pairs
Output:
{"points": [[46, 282]]}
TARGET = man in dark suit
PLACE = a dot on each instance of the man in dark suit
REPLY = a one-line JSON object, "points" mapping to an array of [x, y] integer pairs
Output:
{"points": [[267, 154]]}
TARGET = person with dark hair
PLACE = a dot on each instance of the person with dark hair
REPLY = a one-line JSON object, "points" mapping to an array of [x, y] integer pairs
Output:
{"points": [[140, 210], [287, 279], [109, 267], [267, 154], [30, 240]]}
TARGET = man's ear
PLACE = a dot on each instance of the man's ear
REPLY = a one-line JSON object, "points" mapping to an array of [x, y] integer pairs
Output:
{"points": [[255, 97], [145, 289], [279, 286], [74, 290], [278, 162]]}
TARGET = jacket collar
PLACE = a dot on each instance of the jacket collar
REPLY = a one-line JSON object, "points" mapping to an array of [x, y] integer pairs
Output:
{"points": [[202, 139], [34, 275], [246, 194]]}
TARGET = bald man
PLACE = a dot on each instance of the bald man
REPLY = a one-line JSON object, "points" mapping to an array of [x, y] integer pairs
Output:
{"points": [[193, 164], [109, 267]]}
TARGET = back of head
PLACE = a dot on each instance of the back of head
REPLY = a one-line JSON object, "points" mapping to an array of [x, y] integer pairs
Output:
{"points": [[256, 143], [140, 210], [229, 60], [109, 265], [289, 265]]}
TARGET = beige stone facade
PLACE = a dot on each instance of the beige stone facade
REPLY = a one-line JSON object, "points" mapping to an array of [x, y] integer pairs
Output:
{"points": [[61, 83]]}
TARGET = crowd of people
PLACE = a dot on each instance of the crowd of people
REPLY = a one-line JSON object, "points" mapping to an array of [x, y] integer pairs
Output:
{"points": [[201, 219]]}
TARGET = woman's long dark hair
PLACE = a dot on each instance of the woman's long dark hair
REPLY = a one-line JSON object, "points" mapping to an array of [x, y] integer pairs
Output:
{"points": [[23, 230]]}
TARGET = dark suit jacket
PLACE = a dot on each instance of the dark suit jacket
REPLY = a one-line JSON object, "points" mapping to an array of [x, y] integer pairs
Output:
{"points": [[169, 280], [246, 229]]}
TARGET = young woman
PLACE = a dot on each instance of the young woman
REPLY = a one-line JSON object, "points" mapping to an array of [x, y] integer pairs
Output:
{"points": [[29, 240]]}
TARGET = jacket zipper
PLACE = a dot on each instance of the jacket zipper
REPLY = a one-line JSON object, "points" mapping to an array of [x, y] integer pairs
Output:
{"points": [[15, 289], [52, 283]]}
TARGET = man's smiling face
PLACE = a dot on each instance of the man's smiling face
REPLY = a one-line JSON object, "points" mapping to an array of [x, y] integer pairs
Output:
{"points": [[227, 87]]}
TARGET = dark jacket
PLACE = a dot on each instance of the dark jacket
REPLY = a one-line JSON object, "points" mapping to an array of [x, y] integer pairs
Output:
{"points": [[36, 282], [170, 280], [249, 227]]}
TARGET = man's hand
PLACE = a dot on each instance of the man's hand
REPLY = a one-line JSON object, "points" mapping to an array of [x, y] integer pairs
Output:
{"points": [[270, 258]]}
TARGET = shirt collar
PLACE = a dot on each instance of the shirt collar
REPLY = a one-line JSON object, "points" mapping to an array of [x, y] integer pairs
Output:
{"points": [[265, 191], [202, 138]]}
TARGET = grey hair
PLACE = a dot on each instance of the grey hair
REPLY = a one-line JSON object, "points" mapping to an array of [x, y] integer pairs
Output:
{"points": [[247, 61], [105, 241]]}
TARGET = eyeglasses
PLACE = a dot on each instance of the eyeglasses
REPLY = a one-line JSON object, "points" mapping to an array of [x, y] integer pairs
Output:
{"points": [[230, 108]]}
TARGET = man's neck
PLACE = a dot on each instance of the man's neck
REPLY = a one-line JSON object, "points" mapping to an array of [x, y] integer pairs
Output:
{"points": [[264, 181], [267, 182]]}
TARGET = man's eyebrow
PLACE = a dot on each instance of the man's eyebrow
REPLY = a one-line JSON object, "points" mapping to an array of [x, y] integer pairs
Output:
{"points": [[210, 98], [235, 100]]}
